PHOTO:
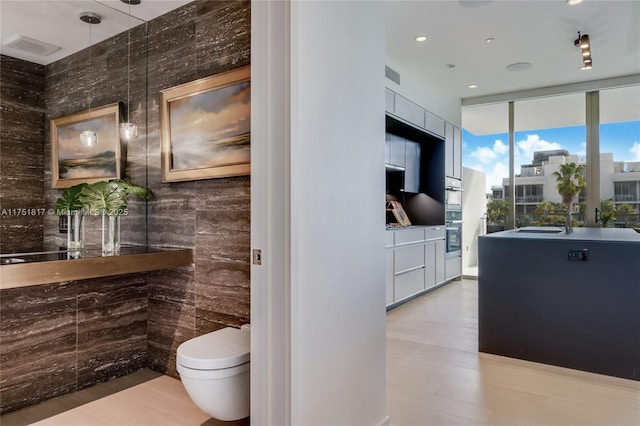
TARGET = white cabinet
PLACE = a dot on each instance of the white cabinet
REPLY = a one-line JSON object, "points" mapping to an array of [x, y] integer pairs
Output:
{"points": [[453, 267], [408, 236], [389, 98], [434, 262], [412, 167], [409, 284], [409, 111], [440, 255], [457, 152], [433, 123], [430, 264], [395, 148], [409, 258], [453, 151], [415, 261]]}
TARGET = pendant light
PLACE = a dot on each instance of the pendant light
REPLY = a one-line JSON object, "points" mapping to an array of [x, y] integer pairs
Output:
{"points": [[88, 137], [128, 130]]}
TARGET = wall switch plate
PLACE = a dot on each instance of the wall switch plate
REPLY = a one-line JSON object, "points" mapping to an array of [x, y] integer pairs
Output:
{"points": [[257, 257], [580, 255]]}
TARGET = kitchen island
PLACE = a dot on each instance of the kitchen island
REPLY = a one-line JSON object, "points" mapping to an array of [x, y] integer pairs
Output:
{"points": [[570, 300]]}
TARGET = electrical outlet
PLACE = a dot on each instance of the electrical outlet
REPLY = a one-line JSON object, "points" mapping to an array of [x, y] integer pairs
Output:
{"points": [[580, 255]]}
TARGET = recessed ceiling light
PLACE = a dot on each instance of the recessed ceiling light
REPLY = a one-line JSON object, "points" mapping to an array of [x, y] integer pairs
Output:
{"points": [[490, 40], [573, 2], [518, 66], [450, 66], [421, 38], [472, 86]]}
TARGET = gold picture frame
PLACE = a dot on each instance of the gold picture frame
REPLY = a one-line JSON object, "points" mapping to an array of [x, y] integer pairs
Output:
{"points": [[205, 127], [71, 162]]}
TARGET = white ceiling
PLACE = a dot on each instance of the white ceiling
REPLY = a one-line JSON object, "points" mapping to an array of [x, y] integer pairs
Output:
{"points": [[58, 23], [536, 31], [540, 32]]}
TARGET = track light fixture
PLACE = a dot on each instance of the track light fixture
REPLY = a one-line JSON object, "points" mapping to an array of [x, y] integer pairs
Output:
{"points": [[584, 44]]}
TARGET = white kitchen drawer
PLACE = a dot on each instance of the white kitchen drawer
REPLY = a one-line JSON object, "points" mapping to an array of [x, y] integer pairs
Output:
{"points": [[435, 232], [409, 236], [408, 284], [389, 238], [408, 258]]}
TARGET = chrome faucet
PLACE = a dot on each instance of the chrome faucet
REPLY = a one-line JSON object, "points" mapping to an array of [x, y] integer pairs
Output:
{"points": [[568, 227]]}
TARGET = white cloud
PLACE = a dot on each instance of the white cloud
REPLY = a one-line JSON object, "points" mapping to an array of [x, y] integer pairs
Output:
{"points": [[533, 143], [486, 154], [499, 147], [494, 177], [635, 150]]}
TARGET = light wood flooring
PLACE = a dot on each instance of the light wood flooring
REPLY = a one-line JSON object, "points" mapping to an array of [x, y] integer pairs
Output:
{"points": [[435, 377]]}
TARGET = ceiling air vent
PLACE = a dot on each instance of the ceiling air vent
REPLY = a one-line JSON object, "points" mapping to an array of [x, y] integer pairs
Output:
{"points": [[392, 74], [31, 45]]}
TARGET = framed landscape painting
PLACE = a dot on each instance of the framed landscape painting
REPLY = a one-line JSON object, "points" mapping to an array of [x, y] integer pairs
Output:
{"points": [[206, 126], [73, 163]]}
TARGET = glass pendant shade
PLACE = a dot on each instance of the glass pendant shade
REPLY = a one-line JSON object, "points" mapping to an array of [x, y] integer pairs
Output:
{"points": [[88, 138], [128, 131]]}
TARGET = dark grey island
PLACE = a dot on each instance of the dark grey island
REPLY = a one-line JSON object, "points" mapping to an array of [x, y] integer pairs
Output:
{"points": [[571, 300]]}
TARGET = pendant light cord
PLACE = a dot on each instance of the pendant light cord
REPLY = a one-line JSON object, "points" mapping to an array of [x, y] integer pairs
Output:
{"points": [[90, 66], [129, 66]]}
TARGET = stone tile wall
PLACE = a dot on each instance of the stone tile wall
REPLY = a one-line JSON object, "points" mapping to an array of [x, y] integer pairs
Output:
{"points": [[21, 155], [62, 337], [211, 216]]}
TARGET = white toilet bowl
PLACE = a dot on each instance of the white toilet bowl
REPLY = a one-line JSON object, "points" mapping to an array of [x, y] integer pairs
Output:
{"points": [[214, 369]]}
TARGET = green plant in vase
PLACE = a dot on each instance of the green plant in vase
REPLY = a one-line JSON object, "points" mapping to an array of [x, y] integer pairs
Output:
{"points": [[110, 199], [70, 205]]}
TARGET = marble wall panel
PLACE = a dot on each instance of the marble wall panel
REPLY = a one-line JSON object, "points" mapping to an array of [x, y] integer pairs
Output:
{"points": [[211, 216], [59, 338], [38, 351], [21, 153], [169, 325]]}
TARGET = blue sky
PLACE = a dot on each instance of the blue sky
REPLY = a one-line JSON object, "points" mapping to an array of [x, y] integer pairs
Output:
{"points": [[490, 153]]}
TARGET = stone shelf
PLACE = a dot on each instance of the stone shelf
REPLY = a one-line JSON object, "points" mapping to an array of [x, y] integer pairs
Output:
{"points": [[51, 267]]}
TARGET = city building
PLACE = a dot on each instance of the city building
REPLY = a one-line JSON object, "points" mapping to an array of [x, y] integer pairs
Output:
{"points": [[619, 181]]}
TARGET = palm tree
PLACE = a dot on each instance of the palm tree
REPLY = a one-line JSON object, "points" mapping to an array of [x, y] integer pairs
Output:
{"points": [[570, 182], [607, 212]]}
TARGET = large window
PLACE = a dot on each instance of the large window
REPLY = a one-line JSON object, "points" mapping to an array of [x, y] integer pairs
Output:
{"points": [[550, 132], [620, 154]]}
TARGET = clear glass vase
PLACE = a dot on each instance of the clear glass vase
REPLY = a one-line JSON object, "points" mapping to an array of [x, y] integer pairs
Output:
{"points": [[75, 233], [110, 235]]}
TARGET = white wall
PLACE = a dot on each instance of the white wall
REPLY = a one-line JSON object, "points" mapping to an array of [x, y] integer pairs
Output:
{"points": [[426, 94], [318, 300], [337, 216], [474, 206]]}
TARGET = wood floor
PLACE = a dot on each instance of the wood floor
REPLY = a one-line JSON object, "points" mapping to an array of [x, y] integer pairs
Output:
{"points": [[435, 377]]}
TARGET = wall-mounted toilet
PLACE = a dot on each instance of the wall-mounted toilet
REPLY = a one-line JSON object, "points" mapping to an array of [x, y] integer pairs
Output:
{"points": [[214, 369]]}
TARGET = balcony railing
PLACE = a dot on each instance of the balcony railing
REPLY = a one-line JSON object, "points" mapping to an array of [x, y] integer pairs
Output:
{"points": [[625, 197], [529, 199]]}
